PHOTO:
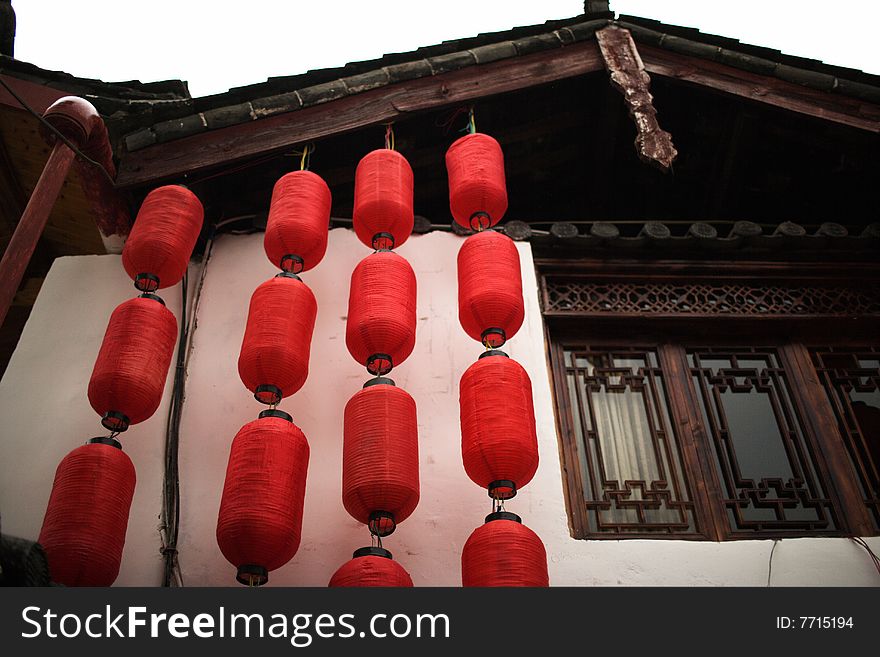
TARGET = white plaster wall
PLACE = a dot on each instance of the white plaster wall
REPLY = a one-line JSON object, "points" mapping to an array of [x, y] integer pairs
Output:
{"points": [[61, 341]]}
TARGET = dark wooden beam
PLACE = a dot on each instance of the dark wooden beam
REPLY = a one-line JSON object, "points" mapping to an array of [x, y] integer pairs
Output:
{"points": [[628, 76], [38, 96], [761, 88], [278, 133], [24, 240]]}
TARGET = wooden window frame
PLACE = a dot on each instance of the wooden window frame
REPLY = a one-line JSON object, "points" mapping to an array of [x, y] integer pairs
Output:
{"points": [[790, 334]]}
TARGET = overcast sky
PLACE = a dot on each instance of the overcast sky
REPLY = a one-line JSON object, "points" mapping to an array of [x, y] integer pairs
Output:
{"points": [[218, 44]]}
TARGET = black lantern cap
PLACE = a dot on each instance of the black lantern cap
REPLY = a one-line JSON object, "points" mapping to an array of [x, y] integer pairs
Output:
{"points": [[152, 297], [502, 489], [493, 337], [115, 421], [493, 352], [105, 440], [251, 575], [503, 515], [379, 381], [146, 282], [381, 523], [371, 552], [379, 364], [274, 412], [292, 263], [480, 221], [268, 394], [383, 241]]}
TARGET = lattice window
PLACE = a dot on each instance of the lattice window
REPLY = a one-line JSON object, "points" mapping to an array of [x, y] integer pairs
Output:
{"points": [[851, 377], [562, 295], [628, 454], [768, 469]]}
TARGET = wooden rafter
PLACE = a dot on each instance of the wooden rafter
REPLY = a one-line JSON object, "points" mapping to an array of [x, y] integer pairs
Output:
{"points": [[762, 88]]}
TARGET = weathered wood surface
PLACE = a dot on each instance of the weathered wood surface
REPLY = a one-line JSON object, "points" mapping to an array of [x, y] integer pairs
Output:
{"points": [[628, 76], [762, 88], [277, 133]]}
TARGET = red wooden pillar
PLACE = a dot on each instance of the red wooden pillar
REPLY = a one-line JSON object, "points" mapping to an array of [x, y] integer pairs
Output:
{"points": [[75, 118]]}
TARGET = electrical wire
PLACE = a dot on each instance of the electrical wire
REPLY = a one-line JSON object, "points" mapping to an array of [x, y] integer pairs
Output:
{"points": [[770, 564], [171, 483], [172, 575], [57, 133], [863, 544]]}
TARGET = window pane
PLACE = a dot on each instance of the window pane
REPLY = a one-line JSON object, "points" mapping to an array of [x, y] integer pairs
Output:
{"points": [[628, 454], [851, 378], [766, 467]]}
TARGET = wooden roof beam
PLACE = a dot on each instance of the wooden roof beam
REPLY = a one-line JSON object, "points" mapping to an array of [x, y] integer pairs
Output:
{"points": [[766, 89], [277, 133]]}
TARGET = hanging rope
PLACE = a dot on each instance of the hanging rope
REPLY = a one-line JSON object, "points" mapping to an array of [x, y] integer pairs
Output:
{"points": [[389, 136]]}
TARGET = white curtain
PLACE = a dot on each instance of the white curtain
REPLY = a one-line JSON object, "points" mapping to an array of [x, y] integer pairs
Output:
{"points": [[622, 425]]}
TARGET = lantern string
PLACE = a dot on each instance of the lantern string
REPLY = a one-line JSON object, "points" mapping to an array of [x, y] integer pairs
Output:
{"points": [[389, 136], [472, 126], [302, 161]]}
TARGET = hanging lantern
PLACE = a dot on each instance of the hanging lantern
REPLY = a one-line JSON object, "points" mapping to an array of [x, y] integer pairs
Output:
{"points": [[499, 444], [381, 328], [129, 375], [477, 188], [380, 456], [383, 199], [260, 520], [504, 552], [84, 527], [299, 217], [490, 298], [161, 241], [274, 358], [371, 566]]}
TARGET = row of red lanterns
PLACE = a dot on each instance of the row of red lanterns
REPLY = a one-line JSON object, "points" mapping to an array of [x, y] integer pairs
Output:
{"points": [[498, 437], [260, 519], [380, 457], [84, 527], [259, 525]]}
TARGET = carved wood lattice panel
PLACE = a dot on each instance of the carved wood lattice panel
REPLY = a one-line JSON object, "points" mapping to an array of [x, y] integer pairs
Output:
{"points": [[851, 378], [627, 449], [767, 468], [625, 298]]}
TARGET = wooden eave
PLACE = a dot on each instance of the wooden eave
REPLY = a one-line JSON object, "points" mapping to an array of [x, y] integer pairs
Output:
{"points": [[267, 126]]}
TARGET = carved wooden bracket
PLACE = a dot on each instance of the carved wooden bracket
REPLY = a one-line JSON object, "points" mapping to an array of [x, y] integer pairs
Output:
{"points": [[628, 76]]}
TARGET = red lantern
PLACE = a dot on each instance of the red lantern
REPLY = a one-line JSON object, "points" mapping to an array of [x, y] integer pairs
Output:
{"points": [[129, 375], [274, 358], [499, 444], [490, 298], [381, 328], [299, 217], [504, 552], [371, 567], [260, 520], [380, 457], [477, 189], [84, 527], [383, 199], [158, 249]]}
